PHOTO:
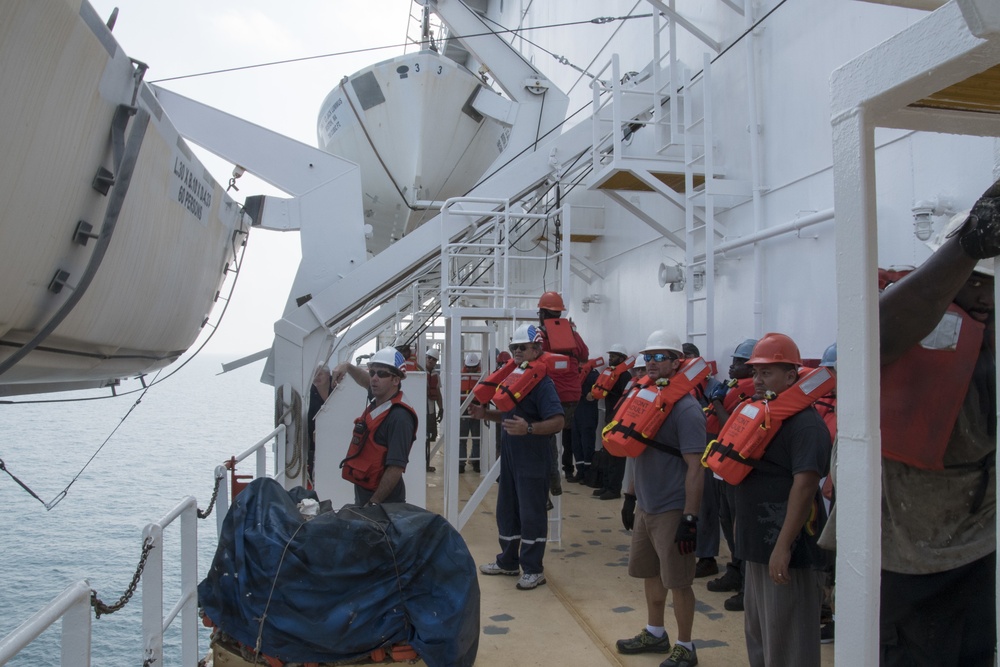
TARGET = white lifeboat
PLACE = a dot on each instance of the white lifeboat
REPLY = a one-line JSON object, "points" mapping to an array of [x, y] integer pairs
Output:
{"points": [[412, 125], [128, 290]]}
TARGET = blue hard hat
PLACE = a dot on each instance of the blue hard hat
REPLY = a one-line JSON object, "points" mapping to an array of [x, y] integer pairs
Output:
{"points": [[745, 349], [830, 357]]}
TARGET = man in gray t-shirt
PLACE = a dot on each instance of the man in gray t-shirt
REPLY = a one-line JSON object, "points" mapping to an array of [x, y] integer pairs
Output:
{"points": [[662, 511]]}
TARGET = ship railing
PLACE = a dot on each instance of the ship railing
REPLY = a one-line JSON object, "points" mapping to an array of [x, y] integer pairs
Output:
{"points": [[72, 606], [154, 624], [259, 451]]}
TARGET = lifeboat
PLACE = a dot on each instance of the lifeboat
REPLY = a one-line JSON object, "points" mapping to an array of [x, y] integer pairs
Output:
{"points": [[115, 239], [413, 126]]}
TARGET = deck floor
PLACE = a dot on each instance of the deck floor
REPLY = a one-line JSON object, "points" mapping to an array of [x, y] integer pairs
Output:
{"points": [[589, 601]]}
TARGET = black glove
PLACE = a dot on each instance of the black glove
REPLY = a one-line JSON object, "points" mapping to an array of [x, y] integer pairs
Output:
{"points": [[687, 534], [628, 511], [440, 416], [980, 235]]}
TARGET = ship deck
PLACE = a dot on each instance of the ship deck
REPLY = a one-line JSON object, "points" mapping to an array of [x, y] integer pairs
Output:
{"points": [[589, 600]]}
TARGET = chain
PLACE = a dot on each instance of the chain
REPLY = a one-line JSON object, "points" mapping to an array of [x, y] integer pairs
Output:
{"points": [[215, 494], [101, 608]]}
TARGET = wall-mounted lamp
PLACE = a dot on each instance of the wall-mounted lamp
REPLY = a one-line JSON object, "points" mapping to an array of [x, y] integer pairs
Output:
{"points": [[589, 299], [698, 278], [925, 209], [922, 224]]}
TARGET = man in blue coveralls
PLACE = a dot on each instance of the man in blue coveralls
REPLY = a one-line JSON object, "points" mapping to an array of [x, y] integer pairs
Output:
{"points": [[524, 478]]}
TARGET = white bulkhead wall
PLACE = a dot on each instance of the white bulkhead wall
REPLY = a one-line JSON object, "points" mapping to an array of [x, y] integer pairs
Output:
{"points": [[797, 47]]}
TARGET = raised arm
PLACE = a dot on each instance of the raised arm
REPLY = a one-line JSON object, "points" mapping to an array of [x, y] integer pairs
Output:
{"points": [[911, 308]]}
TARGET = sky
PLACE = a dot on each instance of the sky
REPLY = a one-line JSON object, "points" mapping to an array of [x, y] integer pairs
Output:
{"points": [[177, 38]]}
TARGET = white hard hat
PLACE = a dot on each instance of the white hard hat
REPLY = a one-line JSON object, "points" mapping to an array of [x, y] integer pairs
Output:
{"points": [[618, 348], [985, 266], [432, 352], [661, 339], [640, 361], [472, 359], [391, 357], [526, 333]]}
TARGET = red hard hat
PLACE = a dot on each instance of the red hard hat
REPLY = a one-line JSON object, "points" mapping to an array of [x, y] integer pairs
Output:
{"points": [[551, 301], [775, 348]]}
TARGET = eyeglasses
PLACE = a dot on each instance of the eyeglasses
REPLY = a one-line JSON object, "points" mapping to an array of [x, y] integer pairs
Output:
{"points": [[659, 357], [520, 348], [379, 372]]}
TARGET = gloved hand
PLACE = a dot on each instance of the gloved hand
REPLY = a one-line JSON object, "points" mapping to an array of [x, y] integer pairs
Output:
{"points": [[980, 235], [719, 392], [440, 416], [628, 511], [687, 534]]}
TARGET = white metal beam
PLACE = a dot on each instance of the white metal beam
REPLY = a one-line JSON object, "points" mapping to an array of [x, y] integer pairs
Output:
{"points": [[873, 90]]}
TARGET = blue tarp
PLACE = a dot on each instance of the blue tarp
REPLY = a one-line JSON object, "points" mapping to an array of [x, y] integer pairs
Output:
{"points": [[342, 584]]}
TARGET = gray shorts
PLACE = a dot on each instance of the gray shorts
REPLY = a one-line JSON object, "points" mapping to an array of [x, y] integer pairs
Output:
{"points": [[653, 551]]}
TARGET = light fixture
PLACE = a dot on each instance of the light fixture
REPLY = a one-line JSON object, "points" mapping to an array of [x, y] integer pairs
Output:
{"points": [[922, 223], [698, 278], [589, 299], [670, 275]]}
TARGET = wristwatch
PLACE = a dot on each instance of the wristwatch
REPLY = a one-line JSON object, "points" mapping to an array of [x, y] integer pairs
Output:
{"points": [[530, 428]]}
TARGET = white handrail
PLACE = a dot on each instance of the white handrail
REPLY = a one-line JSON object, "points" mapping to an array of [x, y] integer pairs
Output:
{"points": [[73, 607]]}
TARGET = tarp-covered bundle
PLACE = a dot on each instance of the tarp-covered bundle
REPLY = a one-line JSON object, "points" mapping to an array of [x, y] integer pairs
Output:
{"points": [[342, 584]]}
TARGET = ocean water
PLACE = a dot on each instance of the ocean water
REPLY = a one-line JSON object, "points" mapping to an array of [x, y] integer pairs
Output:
{"points": [[166, 450]]}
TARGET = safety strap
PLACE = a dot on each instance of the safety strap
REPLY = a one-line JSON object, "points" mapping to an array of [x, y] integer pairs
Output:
{"points": [[631, 432], [766, 467]]}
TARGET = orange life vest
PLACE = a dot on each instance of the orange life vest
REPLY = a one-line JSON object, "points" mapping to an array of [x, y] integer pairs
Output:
{"points": [[609, 376], [565, 374], [470, 378], [365, 460], [591, 364], [743, 390], [941, 366], [433, 387], [516, 386], [559, 336], [827, 409], [644, 409], [746, 435], [487, 387]]}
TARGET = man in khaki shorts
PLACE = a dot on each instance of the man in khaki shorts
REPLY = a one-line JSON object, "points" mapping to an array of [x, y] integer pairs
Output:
{"points": [[661, 509]]}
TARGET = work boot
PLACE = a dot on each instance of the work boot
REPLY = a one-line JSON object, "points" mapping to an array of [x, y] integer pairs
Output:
{"points": [[599, 492], [555, 485], [735, 603], [730, 581], [610, 495], [705, 567]]}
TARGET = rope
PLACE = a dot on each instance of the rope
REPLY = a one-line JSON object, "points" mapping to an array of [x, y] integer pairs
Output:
{"points": [[145, 388], [596, 21]]}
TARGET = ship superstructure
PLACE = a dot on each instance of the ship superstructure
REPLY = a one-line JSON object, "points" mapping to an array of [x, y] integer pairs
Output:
{"points": [[717, 168]]}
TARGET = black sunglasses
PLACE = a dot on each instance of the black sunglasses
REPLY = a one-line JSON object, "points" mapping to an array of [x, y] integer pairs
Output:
{"points": [[379, 372], [659, 357], [520, 348]]}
